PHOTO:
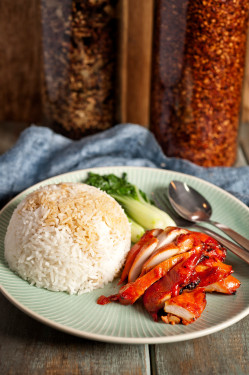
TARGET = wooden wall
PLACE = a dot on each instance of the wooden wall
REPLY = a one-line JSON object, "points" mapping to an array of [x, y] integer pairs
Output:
{"points": [[245, 96], [135, 72], [20, 62]]}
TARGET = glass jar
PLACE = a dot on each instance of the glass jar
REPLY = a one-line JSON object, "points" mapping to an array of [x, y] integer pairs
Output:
{"points": [[79, 53], [198, 64]]}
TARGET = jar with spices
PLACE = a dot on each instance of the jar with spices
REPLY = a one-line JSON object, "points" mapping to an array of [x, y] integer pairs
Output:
{"points": [[79, 54], [197, 73]]}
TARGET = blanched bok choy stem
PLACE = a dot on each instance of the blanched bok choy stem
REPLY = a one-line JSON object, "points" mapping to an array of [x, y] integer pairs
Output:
{"points": [[141, 212]]}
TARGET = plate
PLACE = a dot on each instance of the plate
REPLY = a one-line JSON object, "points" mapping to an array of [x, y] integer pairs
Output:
{"points": [[82, 316]]}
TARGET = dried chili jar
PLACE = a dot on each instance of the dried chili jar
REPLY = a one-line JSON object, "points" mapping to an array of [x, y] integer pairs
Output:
{"points": [[79, 54], [197, 73]]}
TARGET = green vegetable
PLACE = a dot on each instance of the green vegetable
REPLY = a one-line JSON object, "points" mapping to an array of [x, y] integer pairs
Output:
{"points": [[136, 230], [141, 212]]}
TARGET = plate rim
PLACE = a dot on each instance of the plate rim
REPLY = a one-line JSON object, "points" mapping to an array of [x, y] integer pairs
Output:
{"points": [[123, 167], [117, 339], [124, 340]]}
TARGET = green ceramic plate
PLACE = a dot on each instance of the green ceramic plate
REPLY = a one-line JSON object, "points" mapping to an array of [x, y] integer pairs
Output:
{"points": [[82, 316]]}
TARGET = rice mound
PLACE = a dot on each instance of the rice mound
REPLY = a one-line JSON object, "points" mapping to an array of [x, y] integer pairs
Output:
{"points": [[68, 237]]}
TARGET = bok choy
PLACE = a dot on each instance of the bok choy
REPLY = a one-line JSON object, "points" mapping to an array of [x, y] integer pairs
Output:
{"points": [[141, 212]]}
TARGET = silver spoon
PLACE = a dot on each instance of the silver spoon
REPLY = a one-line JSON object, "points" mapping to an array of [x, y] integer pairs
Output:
{"points": [[192, 206]]}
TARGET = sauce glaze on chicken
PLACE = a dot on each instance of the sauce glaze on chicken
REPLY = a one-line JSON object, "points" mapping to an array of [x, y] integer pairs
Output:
{"points": [[172, 270]]}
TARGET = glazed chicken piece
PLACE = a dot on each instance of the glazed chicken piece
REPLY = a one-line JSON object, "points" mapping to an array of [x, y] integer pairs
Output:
{"points": [[144, 242], [179, 240], [182, 242], [187, 274], [173, 269], [150, 242], [157, 245], [144, 253], [229, 285], [130, 292], [185, 308], [169, 234], [170, 285], [214, 250], [188, 306], [209, 271]]}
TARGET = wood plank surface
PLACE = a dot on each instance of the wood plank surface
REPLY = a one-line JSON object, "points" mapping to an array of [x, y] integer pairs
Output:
{"points": [[28, 347], [222, 353]]}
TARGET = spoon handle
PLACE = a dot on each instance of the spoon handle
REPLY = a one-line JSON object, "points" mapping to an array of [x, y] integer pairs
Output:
{"points": [[237, 250], [241, 240]]}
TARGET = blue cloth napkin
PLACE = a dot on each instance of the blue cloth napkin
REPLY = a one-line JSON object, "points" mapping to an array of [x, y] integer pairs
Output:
{"points": [[40, 153]]}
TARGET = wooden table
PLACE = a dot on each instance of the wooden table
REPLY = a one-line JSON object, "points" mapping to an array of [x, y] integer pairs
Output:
{"points": [[29, 347]]}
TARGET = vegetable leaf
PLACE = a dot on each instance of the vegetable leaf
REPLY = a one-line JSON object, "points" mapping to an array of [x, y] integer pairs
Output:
{"points": [[141, 212]]}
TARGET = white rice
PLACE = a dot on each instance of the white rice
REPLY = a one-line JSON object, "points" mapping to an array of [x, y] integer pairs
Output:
{"points": [[68, 237]]}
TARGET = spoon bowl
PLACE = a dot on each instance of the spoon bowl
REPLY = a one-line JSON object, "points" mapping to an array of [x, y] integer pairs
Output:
{"points": [[188, 203], [192, 206]]}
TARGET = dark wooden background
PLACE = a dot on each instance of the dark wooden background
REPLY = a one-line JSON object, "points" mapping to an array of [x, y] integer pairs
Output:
{"points": [[20, 62], [21, 65]]}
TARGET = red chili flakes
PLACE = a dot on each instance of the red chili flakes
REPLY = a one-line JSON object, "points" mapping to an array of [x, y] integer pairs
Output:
{"points": [[197, 74]]}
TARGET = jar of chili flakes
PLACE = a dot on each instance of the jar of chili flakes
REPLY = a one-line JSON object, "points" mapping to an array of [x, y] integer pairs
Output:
{"points": [[197, 74], [80, 55]]}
